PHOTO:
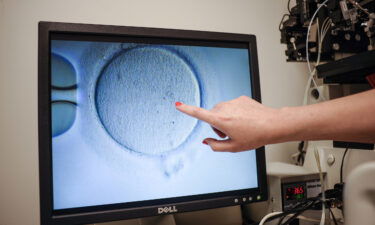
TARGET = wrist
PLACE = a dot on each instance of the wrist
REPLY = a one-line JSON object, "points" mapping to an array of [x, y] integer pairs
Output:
{"points": [[286, 125]]}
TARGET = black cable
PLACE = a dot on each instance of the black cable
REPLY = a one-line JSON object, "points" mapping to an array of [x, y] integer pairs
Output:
{"points": [[300, 204], [310, 203], [342, 165], [287, 212], [291, 218], [283, 214], [300, 212], [277, 216], [333, 216], [281, 220], [290, 12], [301, 153], [298, 209], [311, 206]]}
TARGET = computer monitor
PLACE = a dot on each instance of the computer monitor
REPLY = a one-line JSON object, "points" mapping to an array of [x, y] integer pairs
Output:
{"points": [[112, 145]]}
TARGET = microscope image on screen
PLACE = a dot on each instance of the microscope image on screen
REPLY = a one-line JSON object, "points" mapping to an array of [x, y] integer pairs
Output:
{"points": [[146, 81], [116, 135]]}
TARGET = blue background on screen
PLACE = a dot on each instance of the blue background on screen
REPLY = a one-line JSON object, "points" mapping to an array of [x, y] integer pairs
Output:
{"points": [[126, 142]]}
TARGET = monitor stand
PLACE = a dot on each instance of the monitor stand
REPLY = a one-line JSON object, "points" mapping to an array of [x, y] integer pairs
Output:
{"points": [[158, 220], [221, 216]]}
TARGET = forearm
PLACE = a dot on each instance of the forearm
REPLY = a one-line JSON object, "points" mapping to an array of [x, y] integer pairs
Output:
{"points": [[350, 118]]}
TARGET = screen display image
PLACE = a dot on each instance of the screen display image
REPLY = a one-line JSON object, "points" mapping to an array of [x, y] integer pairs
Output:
{"points": [[116, 135]]}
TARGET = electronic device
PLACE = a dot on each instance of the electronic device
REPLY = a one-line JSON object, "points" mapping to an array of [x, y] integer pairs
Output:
{"points": [[286, 191], [297, 189], [339, 32], [289, 187], [347, 26], [112, 145]]}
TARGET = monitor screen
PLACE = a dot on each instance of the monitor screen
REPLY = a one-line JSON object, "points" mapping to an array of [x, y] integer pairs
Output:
{"points": [[116, 138]]}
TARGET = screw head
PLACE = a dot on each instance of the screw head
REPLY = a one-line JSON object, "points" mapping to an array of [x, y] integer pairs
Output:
{"points": [[336, 46], [330, 159]]}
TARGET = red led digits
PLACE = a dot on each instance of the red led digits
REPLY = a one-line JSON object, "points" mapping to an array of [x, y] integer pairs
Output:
{"points": [[298, 190]]}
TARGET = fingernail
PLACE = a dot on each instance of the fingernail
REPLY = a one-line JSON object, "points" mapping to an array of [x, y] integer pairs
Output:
{"points": [[178, 103], [205, 142]]}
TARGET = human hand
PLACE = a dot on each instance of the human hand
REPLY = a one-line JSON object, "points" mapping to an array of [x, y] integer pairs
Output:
{"points": [[245, 123]]}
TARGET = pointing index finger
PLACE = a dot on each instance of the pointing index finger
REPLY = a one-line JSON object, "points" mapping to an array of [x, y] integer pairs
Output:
{"points": [[197, 112]]}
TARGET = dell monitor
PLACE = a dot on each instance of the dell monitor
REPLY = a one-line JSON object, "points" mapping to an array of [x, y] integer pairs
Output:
{"points": [[112, 145]]}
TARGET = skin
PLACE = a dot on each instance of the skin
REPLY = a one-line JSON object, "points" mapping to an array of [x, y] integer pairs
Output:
{"points": [[247, 124]]}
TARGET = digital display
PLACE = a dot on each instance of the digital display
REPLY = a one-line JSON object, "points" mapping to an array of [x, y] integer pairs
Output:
{"points": [[116, 135], [295, 193]]}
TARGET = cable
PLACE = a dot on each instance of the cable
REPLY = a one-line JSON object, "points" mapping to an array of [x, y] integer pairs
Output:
{"points": [[333, 216], [290, 12], [311, 205], [321, 37], [317, 158], [308, 33], [300, 204], [312, 72], [298, 208], [308, 219], [342, 165], [268, 216], [281, 220]]}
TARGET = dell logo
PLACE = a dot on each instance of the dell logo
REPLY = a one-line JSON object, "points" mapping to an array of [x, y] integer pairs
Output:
{"points": [[167, 209]]}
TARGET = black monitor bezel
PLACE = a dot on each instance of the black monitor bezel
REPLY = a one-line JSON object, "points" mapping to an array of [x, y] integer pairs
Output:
{"points": [[95, 214]]}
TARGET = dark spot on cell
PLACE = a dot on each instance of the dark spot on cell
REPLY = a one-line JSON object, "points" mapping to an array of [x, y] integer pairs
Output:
{"points": [[164, 98], [167, 174], [169, 94], [178, 166], [172, 122]]}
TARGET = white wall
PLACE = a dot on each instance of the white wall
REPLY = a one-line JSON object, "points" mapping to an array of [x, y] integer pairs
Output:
{"points": [[282, 83]]}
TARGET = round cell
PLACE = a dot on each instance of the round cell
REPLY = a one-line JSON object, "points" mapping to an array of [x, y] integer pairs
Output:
{"points": [[63, 74], [63, 116], [135, 96]]}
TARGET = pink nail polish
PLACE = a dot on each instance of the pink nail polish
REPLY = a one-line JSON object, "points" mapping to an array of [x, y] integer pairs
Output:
{"points": [[178, 103], [205, 142]]}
